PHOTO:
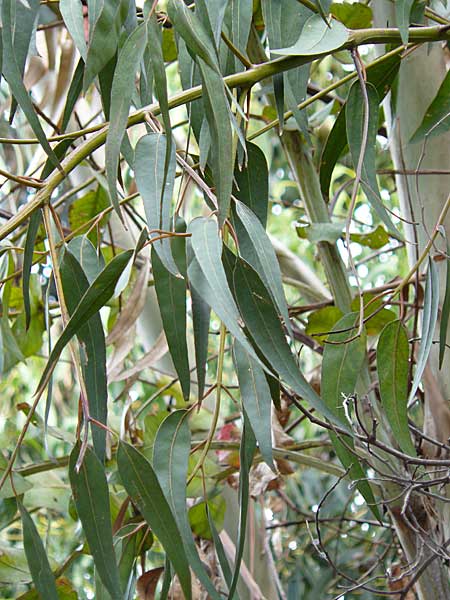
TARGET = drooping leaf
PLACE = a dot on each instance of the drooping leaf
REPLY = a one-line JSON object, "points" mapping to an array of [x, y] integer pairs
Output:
{"points": [[241, 19], [341, 368], [91, 496], [92, 348], [260, 254], [437, 116], [317, 37], [393, 369], [72, 13], [402, 13], [13, 75], [105, 23], [221, 156], [142, 485], [155, 185], [355, 112], [264, 326], [253, 184], [445, 313], [121, 92], [171, 294], [256, 400], [95, 297], [246, 454], [33, 226], [207, 276], [38, 563], [170, 462], [190, 27], [381, 76], [429, 319], [201, 315]]}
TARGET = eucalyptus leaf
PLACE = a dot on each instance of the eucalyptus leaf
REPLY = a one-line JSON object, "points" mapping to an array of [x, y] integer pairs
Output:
{"points": [[38, 563], [429, 320], [95, 297], [143, 486], [170, 462], [91, 496], [171, 294], [341, 367], [393, 370], [121, 92], [437, 116]]}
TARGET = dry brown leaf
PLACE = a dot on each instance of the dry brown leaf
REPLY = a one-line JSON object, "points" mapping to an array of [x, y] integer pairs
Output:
{"points": [[146, 584]]}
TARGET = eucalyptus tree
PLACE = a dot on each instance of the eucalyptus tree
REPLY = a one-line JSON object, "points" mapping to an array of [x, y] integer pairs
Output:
{"points": [[173, 374]]}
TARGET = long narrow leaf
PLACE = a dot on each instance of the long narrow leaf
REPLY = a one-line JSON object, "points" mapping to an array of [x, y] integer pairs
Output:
{"points": [[95, 297], [13, 76], [143, 486], [91, 496], [256, 400], [38, 563], [171, 294], [393, 369], [155, 181], [430, 314], [263, 323], [341, 367], [92, 349], [170, 462], [443, 328], [121, 92], [33, 226]]}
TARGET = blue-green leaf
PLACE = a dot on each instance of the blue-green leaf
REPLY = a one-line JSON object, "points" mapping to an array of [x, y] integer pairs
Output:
{"points": [[92, 348], [33, 226], [443, 328], [170, 462], [121, 92], [256, 400], [402, 13], [13, 75], [72, 13], [393, 370], [207, 276], [155, 180], [341, 366], [91, 496], [437, 116], [260, 254], [264, 325], [38, 563], [171, 294], [105, 23], [429, 319], [142, 485], [95, 297], [355, 108]]}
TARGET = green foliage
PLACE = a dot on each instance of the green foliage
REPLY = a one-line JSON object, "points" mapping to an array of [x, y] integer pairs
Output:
{"points": [[208, 357]]}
